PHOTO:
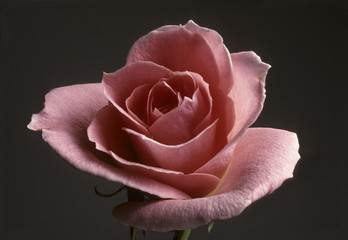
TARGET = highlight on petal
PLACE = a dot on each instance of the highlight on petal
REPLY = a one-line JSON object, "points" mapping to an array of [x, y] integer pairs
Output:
{"points": [[262, 159], [65, 130]]}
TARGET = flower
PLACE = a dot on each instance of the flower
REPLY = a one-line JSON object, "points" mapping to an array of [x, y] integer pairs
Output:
{"points": [[174, 123]]}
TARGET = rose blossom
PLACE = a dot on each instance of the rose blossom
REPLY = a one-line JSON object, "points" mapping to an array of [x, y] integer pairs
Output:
{"points": [[174, 123]]}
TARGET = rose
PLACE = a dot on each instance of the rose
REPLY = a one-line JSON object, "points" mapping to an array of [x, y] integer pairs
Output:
{"points": [[173, 122]]}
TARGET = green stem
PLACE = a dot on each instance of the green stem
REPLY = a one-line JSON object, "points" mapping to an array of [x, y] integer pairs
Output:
{"points": [[182, 235]]}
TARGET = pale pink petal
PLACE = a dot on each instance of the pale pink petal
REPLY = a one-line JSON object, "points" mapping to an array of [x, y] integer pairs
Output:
{"points": [[64, 120], [248, 92], [262, 160], [186, 157]]}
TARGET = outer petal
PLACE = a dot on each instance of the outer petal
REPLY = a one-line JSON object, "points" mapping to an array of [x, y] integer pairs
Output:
{"points": [[248, 96], [262, 160], [187, 48], [64, 120], [248, 92]]}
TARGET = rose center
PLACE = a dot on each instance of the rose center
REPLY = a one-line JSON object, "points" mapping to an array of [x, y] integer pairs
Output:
{"points": [[161, 100]]}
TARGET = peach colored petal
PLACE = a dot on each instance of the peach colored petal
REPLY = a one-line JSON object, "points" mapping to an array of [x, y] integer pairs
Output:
{"points": [[262, 160], [64, 120]]}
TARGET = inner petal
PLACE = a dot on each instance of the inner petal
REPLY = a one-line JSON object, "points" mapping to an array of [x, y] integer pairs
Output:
{"points": [[161, 100], [190, 117], [136, 103], [183, 83]]}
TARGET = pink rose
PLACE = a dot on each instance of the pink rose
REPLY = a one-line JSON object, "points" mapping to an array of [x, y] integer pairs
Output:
{"points": [[174, 122]]}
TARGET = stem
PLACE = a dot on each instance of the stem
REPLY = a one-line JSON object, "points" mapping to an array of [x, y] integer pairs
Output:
{"points": [[133, 233], [182, 235]]}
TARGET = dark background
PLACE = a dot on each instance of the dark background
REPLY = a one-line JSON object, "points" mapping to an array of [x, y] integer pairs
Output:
{"points": [[51, 44]]}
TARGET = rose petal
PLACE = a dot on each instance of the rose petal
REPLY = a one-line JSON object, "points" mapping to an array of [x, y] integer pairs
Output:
{"points": [[161, 99], [201, 51], [118, 86], [186, 157], [65, 130], [248, 92], [136, 103], [262, 160], [188, 119], [106, 132], [220, 51], [194, 184], [218, 164]]}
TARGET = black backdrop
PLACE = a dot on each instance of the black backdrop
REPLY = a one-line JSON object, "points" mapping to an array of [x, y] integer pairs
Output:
{"points": [[50, 44]]}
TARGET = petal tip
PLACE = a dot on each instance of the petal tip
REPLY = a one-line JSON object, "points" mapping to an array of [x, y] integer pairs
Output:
{"points": [[32, 125]]}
